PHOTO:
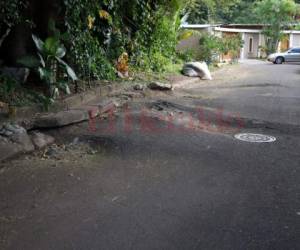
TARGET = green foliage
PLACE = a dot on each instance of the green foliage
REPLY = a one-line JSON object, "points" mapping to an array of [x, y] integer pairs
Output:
{"points": [[43, 100], [89, 58], [49, 63], [11, 12], [232, 45], [157, 49], [87, 39], [8, 88], [242, 12], [211, 47], [13, 93], [211, 11], [297, 27], [51, 53], [102, 31], [158, 36], [159, 62], [275, 14], [233, 11]]}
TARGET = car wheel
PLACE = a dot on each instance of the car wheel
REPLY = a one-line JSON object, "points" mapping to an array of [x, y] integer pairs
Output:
{"points": [[279, 60]]}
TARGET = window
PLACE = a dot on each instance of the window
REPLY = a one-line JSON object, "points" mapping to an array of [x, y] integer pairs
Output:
{"points": [[251, 45], [295, 50]]}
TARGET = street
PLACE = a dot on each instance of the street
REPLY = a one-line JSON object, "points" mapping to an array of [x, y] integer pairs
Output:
{"points": [[135, 182]]}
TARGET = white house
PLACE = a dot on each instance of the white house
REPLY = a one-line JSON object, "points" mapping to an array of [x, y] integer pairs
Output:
{"points": [[252, 36]]}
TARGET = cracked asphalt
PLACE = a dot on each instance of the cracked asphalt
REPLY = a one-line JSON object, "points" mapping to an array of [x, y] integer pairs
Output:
{"points": [[160, 178]]}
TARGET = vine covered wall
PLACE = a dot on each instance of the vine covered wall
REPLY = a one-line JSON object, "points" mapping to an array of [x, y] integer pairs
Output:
{"points": [[102, 30], [98, 32]]}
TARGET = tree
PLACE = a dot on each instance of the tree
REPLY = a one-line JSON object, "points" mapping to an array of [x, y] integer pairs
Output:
{"points": [[210, 11], [275, 14], [226, 11], [242, 12], [10, 15]]}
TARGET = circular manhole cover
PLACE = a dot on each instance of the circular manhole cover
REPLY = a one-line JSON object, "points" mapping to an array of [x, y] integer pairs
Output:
{"points": [[258, 138]]}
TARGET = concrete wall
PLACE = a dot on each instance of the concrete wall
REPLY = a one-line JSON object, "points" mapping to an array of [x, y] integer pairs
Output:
{"points": [[255, 45], [295, 40]]}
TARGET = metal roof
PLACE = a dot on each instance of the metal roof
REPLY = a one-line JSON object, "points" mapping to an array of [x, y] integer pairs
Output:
{"points": [[199, 26]]}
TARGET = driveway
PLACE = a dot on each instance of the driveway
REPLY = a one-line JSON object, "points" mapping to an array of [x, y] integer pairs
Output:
{"points": [[144, 184]]}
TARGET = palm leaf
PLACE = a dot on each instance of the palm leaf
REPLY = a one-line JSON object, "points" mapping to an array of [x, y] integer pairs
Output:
{"points": [[42, 61], [61, 52], [38, 43], [70, 71], [51, 46]]}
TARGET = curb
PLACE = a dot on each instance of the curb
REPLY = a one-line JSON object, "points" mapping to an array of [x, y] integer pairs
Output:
{"points": [[10, 148], [27, 116], [24, 114]]}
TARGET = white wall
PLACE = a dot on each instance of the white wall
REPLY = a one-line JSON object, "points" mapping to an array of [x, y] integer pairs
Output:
{"points": [[295, 40], [255, 45]]}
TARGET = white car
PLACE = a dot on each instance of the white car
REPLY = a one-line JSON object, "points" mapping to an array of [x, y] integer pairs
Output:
{"points": [[292, 55]]}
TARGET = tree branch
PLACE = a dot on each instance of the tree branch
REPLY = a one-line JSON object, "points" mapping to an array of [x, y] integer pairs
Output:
{"points": [[4, 36]]}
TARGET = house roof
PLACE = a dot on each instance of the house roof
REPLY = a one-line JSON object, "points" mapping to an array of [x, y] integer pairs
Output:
{"points": [[235, 28], [244, 30], [198, 26], [244, 26]]}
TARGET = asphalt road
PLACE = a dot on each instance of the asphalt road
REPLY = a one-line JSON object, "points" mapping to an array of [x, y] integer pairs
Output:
{"points": [[255, 89], [149, 185]]}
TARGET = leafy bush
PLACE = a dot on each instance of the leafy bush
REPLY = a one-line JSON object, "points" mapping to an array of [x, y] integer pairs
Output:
{"points": [[89, 58], [13, 93], [275, 14], [50, 65], [87, 39], [210, 48], [101, 31], [158, 62], [8, 88], [232, 45]]}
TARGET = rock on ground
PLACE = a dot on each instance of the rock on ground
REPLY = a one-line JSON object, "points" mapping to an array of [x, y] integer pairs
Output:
{"points": [[10, 129], [60, 119], [197, 69], [160, 86], [24, 141], [9, 149], [139, 87], [14, 140], [41, 140], [107, 106]]}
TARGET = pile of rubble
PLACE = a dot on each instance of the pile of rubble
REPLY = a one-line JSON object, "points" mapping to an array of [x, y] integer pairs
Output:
{"points": [[14, 140]]}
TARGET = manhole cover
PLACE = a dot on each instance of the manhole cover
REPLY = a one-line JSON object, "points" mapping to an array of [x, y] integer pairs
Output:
{"points": [[255, 138]]}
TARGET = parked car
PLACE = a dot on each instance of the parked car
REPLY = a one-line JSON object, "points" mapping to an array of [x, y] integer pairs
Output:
{"points": [[292, 55]]}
